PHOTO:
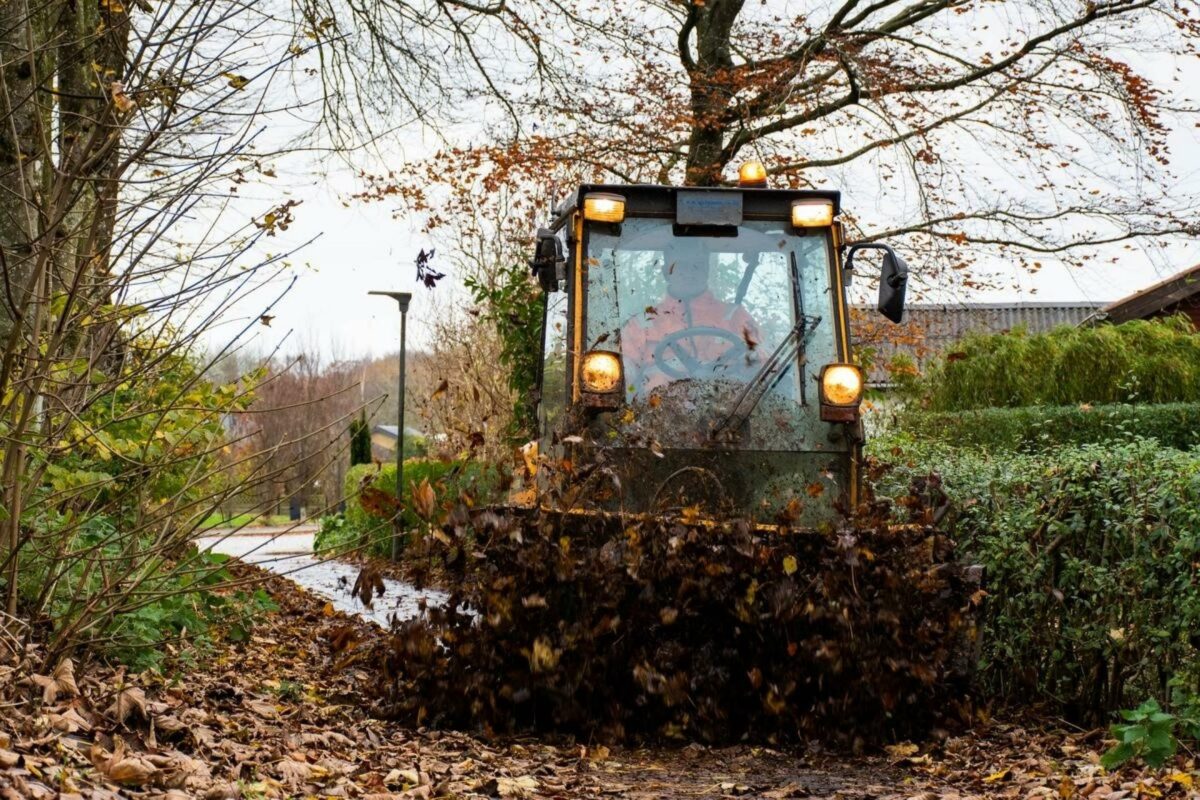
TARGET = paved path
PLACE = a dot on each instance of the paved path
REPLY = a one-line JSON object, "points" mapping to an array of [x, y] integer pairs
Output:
{"points": [[288, 551]]}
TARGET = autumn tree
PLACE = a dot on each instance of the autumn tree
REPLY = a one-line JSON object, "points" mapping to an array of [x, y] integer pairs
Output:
{"points": [[961, 127]]}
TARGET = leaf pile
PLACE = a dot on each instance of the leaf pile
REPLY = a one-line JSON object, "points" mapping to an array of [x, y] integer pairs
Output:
{"points": [[679, 629]]}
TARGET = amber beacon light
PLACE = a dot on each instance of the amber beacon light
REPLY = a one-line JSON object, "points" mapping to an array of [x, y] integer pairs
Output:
{"points": [[752, 175]]}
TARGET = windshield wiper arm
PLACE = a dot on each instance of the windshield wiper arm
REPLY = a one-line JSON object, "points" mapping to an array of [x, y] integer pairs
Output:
{"points": [[768, 375]]}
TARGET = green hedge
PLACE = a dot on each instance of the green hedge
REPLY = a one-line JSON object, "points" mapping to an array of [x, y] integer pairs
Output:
{"points": [[1092, 565], [1144, 361], [449, 479], [1170, 424]]}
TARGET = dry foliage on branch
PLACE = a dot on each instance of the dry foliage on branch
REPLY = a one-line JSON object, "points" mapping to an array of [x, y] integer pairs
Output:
{"points": [[1027, 129]]}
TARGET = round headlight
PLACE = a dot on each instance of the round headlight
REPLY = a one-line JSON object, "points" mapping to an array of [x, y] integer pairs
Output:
{"points": [[841, 385], [600, 372]]}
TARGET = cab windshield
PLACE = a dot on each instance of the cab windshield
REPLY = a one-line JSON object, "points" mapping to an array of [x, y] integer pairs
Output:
{"points": [[697, 320]]}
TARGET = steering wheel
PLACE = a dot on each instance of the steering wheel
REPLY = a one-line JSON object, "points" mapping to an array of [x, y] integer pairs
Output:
{"points": [[693, 367]]}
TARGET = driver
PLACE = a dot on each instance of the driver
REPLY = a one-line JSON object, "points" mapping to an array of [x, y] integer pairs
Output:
{"points": [[687, 309]]}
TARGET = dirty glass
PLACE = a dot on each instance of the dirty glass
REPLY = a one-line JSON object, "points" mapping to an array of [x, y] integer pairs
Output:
{"points": [[554, 362], [695, 318]]}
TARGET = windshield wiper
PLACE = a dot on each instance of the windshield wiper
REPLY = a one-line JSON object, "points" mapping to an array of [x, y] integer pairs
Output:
{"points": [[768, 375], [775, 367]]}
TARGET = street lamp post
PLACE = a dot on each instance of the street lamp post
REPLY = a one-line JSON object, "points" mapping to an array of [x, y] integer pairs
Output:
{"points": [[403, 299]]}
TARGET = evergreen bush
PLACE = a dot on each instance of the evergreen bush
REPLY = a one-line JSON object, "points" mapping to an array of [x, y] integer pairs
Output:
{"points": [[1091, 555], [1143, 361], [1039, 427]]}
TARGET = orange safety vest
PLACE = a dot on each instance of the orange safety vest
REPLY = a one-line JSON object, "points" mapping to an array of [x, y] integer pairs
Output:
{"points": [[642, 333]]}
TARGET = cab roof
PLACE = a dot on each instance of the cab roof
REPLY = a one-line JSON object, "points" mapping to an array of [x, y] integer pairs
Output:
{"points": [[652, 200]]}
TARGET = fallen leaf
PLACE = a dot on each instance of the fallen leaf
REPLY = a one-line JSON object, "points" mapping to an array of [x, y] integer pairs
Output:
{"points": [[64, 677], [61, 681], [132, 770], [1181, 778], [996, 777], [902, 750], [523, 786], [131, 700], [789, 568]]}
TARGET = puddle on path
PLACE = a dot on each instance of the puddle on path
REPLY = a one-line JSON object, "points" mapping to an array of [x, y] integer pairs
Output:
{"points": [[288, 552]]}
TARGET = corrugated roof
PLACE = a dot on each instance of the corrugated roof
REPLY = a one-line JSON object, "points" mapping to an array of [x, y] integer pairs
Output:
{"points": [[929, 328]]}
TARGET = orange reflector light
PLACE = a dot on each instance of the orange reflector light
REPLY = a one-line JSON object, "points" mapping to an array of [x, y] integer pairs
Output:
{"points": [[752, 174], [600, 207]]}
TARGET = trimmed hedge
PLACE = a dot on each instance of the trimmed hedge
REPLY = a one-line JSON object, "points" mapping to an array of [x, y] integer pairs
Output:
{"points": [[1170, 424], [1092, 565], [449, 479], [1144, 361]]}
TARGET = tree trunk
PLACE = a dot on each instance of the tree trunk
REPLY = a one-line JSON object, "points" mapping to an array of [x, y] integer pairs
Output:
{"points": [[25, 71], [711, 87]]}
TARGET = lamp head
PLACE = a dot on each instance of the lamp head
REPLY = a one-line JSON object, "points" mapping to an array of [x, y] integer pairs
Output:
{"points": [[403, 298]]}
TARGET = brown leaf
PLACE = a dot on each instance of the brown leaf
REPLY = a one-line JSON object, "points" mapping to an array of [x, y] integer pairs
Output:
{"points": [[424, 500], [130, 701], [64, 677], [121, 100], [523, 786], [68, 721], [62, 681], [368, 585], [120, 767], [294, 773], [262, 708], [440, 390], [133, 770]]}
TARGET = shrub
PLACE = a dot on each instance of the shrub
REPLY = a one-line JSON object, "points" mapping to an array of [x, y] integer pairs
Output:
{"points": [[1090, 555], [360, 441], [1154, 361], [371, 492], [1170, 424], [335, 535]]}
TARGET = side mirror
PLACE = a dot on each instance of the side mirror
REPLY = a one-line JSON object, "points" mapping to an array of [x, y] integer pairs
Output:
{"points": [[893, 279], [893, 284], [548, 259]]}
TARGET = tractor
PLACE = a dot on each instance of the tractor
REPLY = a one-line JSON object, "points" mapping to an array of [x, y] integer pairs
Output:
{"points": [[696, 346]]}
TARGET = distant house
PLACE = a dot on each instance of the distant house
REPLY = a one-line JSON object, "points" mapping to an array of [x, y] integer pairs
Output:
{"points": [[931, 328], [1179, 294], [383, 440]]}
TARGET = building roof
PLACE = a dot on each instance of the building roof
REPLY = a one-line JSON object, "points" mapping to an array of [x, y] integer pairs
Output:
{"points": [[929, 328], [1153, 299], [390, 430]]}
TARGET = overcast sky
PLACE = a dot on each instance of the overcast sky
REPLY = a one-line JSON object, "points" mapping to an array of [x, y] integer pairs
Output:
{"points": [[360, 247]]}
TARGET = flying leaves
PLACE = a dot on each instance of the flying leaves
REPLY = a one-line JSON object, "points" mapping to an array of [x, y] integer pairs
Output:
{"points": [[636, 630], [426, 274]]}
